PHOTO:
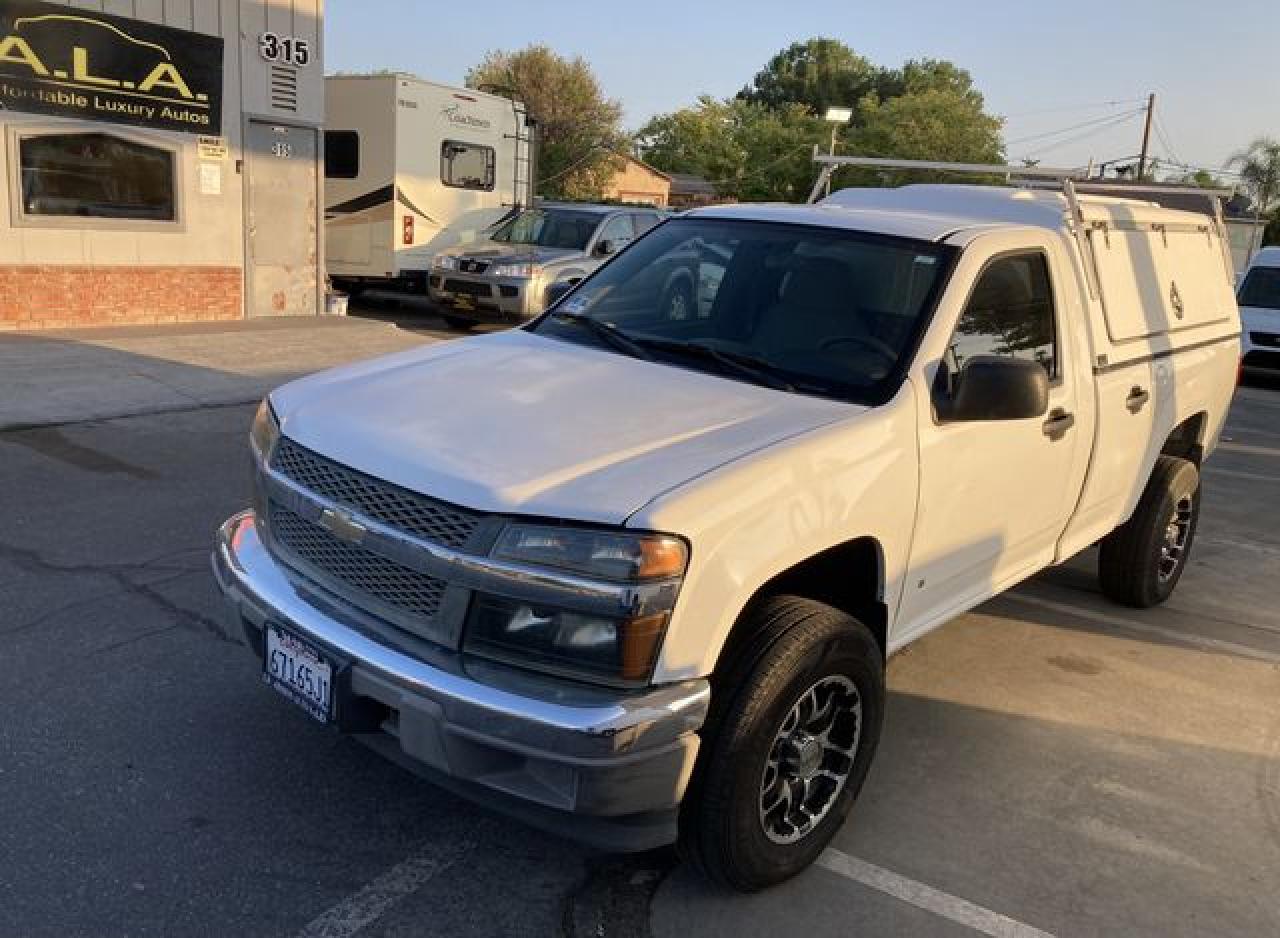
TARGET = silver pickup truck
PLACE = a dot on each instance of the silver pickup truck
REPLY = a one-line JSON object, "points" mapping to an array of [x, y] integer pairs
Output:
{"points": [[507, 277]]}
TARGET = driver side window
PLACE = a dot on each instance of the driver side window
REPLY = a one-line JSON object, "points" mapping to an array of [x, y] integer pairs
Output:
{"points": [[618, 230], [1009, 313]]}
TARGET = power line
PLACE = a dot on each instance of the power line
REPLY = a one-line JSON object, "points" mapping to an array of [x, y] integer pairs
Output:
{"points": [[1164, 140], [1109, 118], [1091, 132], [1073, 107]]}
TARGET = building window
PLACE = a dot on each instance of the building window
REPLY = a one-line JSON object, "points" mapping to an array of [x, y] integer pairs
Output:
{"points": [[341, 154], [467, 165], [96, 175]]}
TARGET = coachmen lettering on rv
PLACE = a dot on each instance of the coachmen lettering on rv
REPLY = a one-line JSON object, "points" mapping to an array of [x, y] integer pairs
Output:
{"points": [[99, 67]]}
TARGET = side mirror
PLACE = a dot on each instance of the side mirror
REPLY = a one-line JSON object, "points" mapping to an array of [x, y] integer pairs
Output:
{"points": [[993, 387], [556, 291], [606, 247]]}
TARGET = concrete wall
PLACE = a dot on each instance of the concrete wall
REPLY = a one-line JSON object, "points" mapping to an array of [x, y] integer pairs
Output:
{"points": [[61, 273]]}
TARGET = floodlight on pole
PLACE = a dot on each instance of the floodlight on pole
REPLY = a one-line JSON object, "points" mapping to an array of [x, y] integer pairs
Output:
{"points": [[836, 116]]}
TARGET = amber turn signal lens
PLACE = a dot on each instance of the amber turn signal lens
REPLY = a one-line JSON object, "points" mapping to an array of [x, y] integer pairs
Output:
{"points": [[662, 557], [640, 638]]}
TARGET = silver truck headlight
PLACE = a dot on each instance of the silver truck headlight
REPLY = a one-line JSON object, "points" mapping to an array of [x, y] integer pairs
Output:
{"points": [[265, 431], [583, 645], [611, 648], [522, 271], [610, 555]]}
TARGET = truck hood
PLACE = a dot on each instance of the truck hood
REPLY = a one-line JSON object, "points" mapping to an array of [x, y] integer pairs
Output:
{"points": [[497, 252], [517, 423]]}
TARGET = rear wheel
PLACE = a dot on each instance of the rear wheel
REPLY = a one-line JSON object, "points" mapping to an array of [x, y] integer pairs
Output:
{"points": [[787, 747], [1141, 561]]}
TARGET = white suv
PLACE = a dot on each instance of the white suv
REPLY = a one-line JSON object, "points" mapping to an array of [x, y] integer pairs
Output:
{"points": [[1259, 298], [633, 573]]}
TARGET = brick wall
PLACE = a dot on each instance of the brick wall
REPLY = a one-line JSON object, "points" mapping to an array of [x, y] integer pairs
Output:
{"points": [[53, 297]]}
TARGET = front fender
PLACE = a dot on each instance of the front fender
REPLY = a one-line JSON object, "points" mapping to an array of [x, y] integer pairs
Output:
{"points": [[758, 516]]}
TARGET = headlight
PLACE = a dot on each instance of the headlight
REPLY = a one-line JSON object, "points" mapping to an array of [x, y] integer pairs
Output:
{"points": [[612, 651], [610, 555], [612, 647], [444, 262], [265, 431], [524, 271]]}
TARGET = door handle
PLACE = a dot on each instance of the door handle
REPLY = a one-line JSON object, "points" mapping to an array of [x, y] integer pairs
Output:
{"points": [[1137, 399], [1059, 422]]}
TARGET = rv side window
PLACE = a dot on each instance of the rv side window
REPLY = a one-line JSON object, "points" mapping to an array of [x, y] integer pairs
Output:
{"points": [[467, 165], [341, 154]]}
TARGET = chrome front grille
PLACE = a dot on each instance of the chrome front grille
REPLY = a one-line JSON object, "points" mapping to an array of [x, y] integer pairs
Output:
{"points": [[360, 574], [393, 506]]}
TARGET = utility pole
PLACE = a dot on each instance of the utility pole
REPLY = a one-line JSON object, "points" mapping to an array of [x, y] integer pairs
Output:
{"points": [[1146, 136]]}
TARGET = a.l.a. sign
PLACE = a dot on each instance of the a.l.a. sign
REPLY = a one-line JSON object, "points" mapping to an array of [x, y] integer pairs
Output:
{"points": [[77, 63]]}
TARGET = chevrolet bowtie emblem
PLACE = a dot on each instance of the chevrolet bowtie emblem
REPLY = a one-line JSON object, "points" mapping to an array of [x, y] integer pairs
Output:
{"points": [[342, 526]]}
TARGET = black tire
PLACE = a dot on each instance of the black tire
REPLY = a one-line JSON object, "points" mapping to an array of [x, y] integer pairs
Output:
{"points": [[1139, 563], [458, 323], [677, 302], [798, 643]]}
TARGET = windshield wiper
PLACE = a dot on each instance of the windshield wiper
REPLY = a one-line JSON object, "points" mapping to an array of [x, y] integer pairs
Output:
{"points": [[748, 366], [611, 335]]}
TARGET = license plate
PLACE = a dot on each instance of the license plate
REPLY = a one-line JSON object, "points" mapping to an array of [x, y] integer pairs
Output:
{"points": [[463, 302], [300, 672]]}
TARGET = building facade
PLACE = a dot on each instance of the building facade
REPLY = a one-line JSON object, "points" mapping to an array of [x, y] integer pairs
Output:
{"points": [[161, 160], [638, 183]]}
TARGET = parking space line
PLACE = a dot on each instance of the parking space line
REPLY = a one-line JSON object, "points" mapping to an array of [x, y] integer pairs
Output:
{"points": [[1250, 449], [943, 904], [1236, 474], [371, 903], [1133, 625]]}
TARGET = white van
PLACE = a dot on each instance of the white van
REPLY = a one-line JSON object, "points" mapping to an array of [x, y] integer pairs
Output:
{"points": [[1259, 298], [413, 167]]}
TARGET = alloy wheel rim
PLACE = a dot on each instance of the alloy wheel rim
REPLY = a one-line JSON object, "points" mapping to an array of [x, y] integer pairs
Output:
{"points": [[1177, 531], [810, 759]]}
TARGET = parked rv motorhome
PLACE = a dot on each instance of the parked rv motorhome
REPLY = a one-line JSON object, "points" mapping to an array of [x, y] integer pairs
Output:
{"points": [[412, 167]]}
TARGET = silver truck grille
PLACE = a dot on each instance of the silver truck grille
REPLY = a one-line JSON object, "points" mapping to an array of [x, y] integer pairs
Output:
{"points": [[367, 579], [399, 508]]}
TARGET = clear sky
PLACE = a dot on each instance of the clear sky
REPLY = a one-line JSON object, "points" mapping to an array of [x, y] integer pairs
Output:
{"points": [[1046, 65]]}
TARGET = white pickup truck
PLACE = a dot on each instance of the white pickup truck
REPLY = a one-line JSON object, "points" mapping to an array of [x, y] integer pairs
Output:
{"points": [[634, 574]]}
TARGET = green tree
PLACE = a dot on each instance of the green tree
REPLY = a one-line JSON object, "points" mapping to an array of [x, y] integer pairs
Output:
{"points": [[759, 144], [749, 151], [1259, 167], [1202, 179], [579, 129], [933, 124], [818, 73]]}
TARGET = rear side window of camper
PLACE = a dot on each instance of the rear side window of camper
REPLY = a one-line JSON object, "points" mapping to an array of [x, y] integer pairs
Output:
{"points": [[341, 154], [467, 165]]}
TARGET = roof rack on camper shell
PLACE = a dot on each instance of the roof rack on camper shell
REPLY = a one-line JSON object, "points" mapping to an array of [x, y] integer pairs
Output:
{"points": [[1068, 182]]}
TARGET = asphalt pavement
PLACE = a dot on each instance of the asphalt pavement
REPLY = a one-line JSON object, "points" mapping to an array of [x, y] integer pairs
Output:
{"points": [[1051, 764]]}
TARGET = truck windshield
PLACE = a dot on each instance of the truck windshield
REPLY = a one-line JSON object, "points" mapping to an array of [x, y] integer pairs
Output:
{"points": [[1261, 288], [814, 310], [549, 228]]}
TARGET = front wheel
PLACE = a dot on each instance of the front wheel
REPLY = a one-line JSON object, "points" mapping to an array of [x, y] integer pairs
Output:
{"points": [[1140, 562], [786, 752]]}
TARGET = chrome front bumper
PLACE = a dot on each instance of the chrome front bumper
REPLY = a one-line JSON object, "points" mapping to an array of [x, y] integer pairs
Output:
{"points": [[605, 766]]}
